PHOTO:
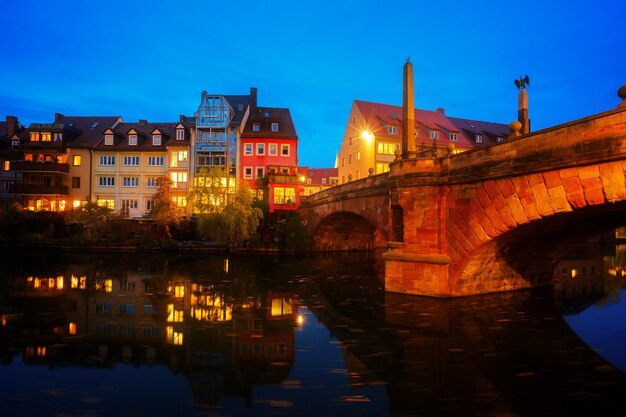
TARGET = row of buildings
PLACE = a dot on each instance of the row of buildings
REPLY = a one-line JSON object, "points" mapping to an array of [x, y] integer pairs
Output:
{"points": [[73, 160]]}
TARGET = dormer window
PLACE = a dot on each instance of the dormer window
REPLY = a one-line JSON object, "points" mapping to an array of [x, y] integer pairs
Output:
{"points": [[108, 140], [479, 138], [392, 130], [132, 140], [499, 139], [156, 140], [180, 134], [46, 137], [256, 127], [454, 136], [58, 137], [15, 143], [434, 134], [274, 127]]}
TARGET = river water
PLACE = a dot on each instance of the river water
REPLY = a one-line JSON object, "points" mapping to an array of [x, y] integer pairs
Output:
{"points": [[162, 335]]}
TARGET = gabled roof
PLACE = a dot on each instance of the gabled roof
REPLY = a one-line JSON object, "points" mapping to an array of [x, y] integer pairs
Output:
{"points": [[489, 130], [144, 131], [91, 128], [239, 103], [265, 116], [378, 116], [316, 174]]}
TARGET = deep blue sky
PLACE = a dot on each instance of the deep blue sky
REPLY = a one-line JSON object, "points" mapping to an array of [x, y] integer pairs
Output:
{"points": [[151, 59]]}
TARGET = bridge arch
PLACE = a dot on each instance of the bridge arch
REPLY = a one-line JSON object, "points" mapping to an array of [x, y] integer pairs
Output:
{"points": [[343, 231], [515, 230]]}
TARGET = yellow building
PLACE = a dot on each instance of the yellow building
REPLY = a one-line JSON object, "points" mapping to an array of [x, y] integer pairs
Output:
{"points": [[374, 133], [128, 161]]}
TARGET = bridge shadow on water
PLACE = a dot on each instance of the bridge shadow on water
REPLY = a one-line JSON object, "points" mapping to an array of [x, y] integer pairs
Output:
{"points": [[508, 354]]}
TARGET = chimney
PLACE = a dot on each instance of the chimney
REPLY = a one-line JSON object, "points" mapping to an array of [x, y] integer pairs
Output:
{"points": [[58, 117], [441, 110], [143, 122], [181, 118], [11, 126], [253, 97]]}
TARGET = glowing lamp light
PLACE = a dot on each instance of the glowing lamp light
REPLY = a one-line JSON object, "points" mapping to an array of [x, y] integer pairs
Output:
{"points": [[302, 178], [367, 135], [300, 319]]}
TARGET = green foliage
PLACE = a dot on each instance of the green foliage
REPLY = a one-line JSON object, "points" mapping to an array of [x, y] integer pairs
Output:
{"points": [[293, 236], [95, 222], [236, 222], [212, 191]]}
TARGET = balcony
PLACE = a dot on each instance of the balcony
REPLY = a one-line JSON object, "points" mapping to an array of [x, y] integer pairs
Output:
{"points": [[30, 166], [38, 189], [283, 178]]}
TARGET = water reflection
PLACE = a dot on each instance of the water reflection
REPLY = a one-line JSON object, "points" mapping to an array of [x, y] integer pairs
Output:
{"points": [[155, 335]]}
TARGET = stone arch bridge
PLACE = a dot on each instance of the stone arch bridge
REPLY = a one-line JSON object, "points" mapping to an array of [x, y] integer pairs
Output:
{"points": [[492, 219]]}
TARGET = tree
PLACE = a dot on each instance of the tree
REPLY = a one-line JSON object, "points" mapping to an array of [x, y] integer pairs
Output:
{"points": [[233, 219], [212, 190], [95, 221], [165, 211]]}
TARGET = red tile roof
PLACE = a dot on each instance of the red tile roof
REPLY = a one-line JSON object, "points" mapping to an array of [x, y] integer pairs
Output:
{"points": [[265, 116]]}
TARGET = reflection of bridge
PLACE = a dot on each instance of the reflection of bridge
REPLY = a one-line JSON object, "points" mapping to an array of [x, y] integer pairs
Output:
{"points": [[469, 223], [501, 354]]}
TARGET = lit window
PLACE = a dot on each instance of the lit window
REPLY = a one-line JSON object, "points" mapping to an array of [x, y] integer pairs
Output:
{"points": [[7, 165], [256, 127], [284, 150], [46, 137], [247, 149], [260, 149], [77, 160], [182, 156], [247, 172], [72, 328], [274, 127], [108, 203], [108, 140], [453, 136], [284, 196], [179, 291], [156, 140], [358, 155], [34, 136], [132, 140], [76, 204], [180, 201], [323, 180], [178, 177], [173, 315], [273, 149]]}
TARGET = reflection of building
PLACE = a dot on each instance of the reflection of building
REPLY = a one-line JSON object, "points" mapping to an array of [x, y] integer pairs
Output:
{"points": [[374, 133], [223, 346]]}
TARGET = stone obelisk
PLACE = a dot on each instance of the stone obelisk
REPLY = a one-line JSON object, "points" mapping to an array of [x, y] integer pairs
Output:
{"points": [[408, 112], [522, 111]]}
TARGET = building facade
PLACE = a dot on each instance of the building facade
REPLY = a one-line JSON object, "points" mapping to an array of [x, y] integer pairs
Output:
{"points": [[268, 156], [374, 134], [313, 180]]}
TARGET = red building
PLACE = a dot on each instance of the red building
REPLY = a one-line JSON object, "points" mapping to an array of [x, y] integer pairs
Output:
{"points": [[268, 155]]}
